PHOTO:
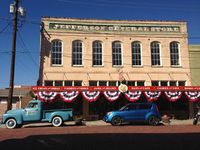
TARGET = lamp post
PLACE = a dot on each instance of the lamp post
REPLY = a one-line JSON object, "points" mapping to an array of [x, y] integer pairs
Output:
{"points": [[16, 11]]}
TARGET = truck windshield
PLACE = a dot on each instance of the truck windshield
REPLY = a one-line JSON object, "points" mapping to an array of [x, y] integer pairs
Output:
{"points": [[32, 105]]}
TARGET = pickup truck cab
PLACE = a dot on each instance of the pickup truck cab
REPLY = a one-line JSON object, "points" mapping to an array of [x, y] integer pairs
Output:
{"points": [[35, 112]]}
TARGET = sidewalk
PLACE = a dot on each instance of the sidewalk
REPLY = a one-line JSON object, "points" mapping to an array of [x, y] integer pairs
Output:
{"points": [[102, 123]]}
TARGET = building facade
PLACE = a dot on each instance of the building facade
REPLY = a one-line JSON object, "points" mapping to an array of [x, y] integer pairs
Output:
{"points": [[194, 55], [88, 52]]}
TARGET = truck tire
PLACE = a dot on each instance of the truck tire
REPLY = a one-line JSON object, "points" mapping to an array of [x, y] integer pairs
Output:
{"points": [[57, 121], [11, 123]]}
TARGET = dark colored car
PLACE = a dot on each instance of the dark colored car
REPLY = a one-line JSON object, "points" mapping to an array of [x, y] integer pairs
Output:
{"points": [[146, 112]]}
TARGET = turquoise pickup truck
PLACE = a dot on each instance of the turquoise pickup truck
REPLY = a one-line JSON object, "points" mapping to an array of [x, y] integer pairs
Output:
{"points": [[35, 112]]}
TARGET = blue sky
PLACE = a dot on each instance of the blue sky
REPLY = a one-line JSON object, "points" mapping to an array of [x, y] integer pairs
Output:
{"points": [[28, 37]]}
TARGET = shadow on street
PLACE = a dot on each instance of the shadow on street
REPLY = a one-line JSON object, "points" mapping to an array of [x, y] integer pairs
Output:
{"points": [[116, 141]]}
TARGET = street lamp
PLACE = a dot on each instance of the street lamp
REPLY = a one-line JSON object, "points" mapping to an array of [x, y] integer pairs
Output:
{"points": [[17, 12]]}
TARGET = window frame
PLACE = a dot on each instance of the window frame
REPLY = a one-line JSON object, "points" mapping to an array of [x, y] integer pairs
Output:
{"points": [[55, 65], [160, 59], [121, 48], [132, 47], [82, 52], [179, 55], [96, 65]]}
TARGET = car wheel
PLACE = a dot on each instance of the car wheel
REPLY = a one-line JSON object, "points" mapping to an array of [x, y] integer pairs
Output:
{"points": [[153, 120], [57, 121], [116, 121], [11, 123]]}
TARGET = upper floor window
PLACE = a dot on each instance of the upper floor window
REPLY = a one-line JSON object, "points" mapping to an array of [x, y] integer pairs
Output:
{"points": [[174, 54], [136, 53], [155, 54], [77, 53], [56, 52], [116, 53], [97, 53]]}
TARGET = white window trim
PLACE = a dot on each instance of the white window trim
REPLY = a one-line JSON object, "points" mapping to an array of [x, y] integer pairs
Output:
{"points": [[57, 65], [82, 65], [138, 66]]}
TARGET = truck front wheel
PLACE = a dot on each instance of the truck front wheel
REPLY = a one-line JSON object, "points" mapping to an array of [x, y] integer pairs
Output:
{"points": [[57, 121], [11, 123]]}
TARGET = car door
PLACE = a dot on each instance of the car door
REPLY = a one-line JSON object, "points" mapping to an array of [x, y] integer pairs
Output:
{"points": [[31, 112], [130, 113], [142, 110]]}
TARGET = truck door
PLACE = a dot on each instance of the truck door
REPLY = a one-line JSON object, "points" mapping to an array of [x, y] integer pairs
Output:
{"points": [[32, 112]]}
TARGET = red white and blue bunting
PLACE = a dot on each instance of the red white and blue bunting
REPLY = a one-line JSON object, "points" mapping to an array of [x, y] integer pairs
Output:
{"points": [[69, 96], [111, 95], [91, 96], [173, 96], [133, 96], [193, 96], [46, 96], [152, 96]]}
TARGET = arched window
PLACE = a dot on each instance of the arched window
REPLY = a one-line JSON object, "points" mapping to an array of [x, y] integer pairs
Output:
{"points": [[56, 52], [136, 53], [155, 54], [174, 54], [116, 53], [77, 53], [97, 53]]}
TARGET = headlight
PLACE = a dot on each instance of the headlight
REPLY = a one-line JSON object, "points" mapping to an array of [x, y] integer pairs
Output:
{"points": [[109, 113]]}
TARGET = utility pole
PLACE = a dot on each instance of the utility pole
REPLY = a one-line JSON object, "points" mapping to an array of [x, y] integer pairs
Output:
{"points": [[15, 10]]}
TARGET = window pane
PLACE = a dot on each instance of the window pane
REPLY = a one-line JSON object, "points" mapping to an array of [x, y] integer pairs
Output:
{"points": [[154, 83], [77, 53], [58, 83], [116, 54], [174, 53], [136, 53], [155, 53], [68, 83], [164, 83], [77, 83], [181, 83], [97, 53], [56, 52], [131, 83], [140, 83], [48, 83], [92, 83], [112, 83], [172, 83], [102, 83]]}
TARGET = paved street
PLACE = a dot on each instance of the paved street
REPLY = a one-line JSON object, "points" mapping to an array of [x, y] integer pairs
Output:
{"points": [[163, 137]]}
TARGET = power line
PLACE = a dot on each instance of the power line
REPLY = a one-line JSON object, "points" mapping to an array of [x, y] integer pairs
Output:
{"points": [[26, 49], [133, 5], [5, 27]]}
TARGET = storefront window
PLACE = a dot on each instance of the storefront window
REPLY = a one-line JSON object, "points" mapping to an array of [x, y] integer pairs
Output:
{"points": [[77, 83], [102, 83], [68, 83], [48, 83], [58, 83], [92, 83]]}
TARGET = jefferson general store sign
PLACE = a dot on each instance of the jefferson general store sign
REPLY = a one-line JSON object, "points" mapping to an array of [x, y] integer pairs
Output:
{"points": [[113, 27]]}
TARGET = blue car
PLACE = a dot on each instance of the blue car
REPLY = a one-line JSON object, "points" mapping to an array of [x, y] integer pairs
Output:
{"points": [[146, 112]]}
